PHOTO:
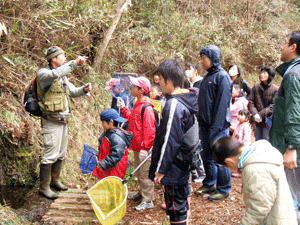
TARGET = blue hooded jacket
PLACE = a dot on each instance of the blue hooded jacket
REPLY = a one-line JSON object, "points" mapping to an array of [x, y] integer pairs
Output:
{"points": [[214, 96], [178, 116]]}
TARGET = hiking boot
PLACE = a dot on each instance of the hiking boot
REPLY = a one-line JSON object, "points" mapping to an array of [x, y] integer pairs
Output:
{"points": [[136, 197], [144, 205], [205, 190], [217, 196]]}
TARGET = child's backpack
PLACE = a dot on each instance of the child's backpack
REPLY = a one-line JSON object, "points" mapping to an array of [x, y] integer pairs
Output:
{"points": [[189, 156], [31, 103], [156, 114]]}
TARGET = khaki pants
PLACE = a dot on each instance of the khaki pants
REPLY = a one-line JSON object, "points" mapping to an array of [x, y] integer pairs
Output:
{"points": [[55, 136], [146, 185]]}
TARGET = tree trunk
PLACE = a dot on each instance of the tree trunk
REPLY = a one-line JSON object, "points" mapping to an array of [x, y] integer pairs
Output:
{"points": [[121, 7]]}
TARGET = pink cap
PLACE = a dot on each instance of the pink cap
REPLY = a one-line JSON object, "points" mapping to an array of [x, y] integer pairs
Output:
{"points": [[141, 82], [112, 82]]}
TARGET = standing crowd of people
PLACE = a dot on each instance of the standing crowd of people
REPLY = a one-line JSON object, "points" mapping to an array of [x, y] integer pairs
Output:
{"points": [[219, 110]]}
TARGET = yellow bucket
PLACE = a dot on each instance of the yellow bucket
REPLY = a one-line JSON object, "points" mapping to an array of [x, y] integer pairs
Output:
{"points": [[109, 198]]}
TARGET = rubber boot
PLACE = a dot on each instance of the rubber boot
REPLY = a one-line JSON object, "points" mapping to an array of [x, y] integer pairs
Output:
{"points": [[45, 173], [55, 172]]}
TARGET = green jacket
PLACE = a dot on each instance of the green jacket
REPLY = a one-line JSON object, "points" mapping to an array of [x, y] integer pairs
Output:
{"points": [[286, 116]]}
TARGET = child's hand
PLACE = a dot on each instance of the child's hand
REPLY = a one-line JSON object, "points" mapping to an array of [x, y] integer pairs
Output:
{"points": [[98, 166], [158, 177], [120, 103]]}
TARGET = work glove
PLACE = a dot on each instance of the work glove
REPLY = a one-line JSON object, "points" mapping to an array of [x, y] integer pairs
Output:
{"points": [[120, 103], [257, 118]]}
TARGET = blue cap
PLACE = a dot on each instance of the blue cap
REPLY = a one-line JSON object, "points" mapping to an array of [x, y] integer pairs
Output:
{"points": [[111, 114]]}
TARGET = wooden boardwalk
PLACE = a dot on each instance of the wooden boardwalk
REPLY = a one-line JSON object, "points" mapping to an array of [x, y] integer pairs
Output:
{"points": [[71, 207]]}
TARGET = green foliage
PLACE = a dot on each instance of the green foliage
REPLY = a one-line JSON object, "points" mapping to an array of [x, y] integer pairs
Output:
{"points": [[128, 172], [9, 217], [10, 116]]}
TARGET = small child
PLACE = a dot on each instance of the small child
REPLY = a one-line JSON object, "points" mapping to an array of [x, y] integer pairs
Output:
{"points": [[238, 104], [143, 138], [156, 79], [156, 92], [156, 95], [267, 196], [243, 130], [113, 146]]}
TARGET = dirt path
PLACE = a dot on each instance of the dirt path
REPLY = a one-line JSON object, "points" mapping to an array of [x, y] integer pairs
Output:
{"points": [[203, 211]]}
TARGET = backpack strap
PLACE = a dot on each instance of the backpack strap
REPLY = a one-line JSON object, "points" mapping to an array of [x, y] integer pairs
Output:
{"points": [[144, 108]]}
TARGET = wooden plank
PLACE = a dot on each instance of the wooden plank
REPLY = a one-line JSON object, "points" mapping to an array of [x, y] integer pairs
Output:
{"points": [[71, 207], [73, 195], [76, 191], [73, 219], [72, 201], [54, 213]]}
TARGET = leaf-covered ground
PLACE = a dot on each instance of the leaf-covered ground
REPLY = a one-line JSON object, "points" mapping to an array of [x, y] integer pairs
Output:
{"points": [[203, 211]]}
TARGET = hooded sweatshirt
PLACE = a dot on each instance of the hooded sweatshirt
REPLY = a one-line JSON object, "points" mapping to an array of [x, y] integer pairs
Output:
{"points": [[267, 196], [214, 96], [178, 116], [113, 153]]}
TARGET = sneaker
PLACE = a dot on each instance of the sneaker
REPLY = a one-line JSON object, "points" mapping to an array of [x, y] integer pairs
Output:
{"points": [[217, 196], [145, 205], [136, 197], [205, 190], [198, 179]]}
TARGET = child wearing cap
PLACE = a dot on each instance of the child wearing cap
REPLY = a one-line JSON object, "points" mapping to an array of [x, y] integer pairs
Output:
{"points": [[113, 146], [143, 138]]}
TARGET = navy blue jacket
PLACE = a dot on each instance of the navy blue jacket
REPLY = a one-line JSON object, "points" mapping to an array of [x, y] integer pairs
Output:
{"points": [[214, 95], [178, 116]]}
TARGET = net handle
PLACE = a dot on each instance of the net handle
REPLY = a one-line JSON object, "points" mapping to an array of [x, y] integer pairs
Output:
{"points": [[130, 175]]}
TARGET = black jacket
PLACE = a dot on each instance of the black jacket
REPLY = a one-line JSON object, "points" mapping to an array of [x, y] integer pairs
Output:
{"points": [[178, 116], [214, 96], [119, 139]]}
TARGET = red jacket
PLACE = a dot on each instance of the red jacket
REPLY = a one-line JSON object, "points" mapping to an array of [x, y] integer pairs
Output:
{"points": [[113, 153], [143, 130]]}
